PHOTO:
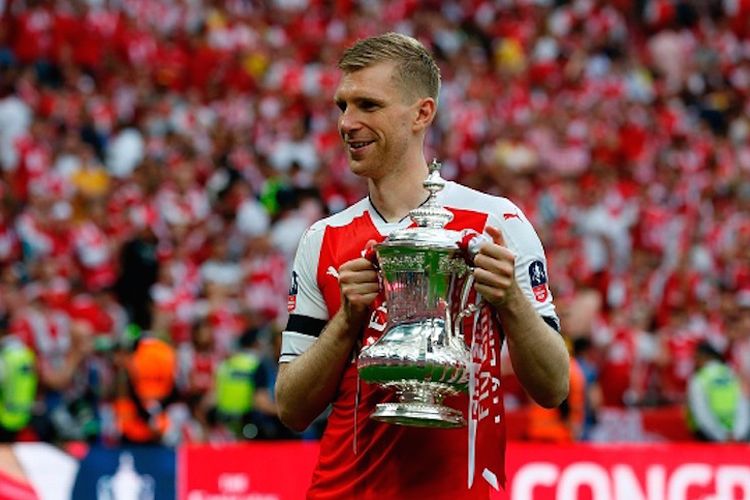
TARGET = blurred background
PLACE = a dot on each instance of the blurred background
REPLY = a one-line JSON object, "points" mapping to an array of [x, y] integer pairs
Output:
{"points": [[160, 159]]}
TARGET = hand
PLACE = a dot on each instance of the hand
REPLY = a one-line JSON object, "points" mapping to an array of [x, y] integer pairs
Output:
{"points": [[359, 284], [495, 270]]}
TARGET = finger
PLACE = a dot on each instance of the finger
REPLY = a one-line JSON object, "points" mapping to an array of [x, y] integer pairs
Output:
{"points": [[360, 264], [358, 275], [351, 290], [360, 288], [491, 255], [496, 235], [367, 298], [491, 279], [363, 299], [491, 294]]}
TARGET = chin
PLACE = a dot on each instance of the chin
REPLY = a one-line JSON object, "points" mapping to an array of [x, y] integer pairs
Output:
{"points": [[358, 167]]}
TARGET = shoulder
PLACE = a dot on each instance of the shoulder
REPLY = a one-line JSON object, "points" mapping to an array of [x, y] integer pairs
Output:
{"points": [[500, 211], [348, 219], [460, 196], [343, 218]]}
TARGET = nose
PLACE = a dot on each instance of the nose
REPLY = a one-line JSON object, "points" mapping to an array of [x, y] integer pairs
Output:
{"points": [[348, 122]]}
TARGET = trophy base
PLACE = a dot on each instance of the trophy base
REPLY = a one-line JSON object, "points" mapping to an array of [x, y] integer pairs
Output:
{"points": [[419, 415]]}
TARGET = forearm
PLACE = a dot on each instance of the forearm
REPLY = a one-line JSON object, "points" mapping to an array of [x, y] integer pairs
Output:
{"points": [[537, 352], [308, 384]]}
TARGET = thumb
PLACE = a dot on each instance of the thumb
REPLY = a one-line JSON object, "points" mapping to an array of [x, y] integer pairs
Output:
{"points": [[496, 235]]}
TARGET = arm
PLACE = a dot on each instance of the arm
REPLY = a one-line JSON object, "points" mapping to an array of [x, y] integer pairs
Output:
{"points": [[704, 419], [741, 428], [537, 352], [307, 385]]}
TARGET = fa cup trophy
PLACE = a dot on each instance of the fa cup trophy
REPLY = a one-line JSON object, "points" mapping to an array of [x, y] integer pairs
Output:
{"points": [[426, 276]]}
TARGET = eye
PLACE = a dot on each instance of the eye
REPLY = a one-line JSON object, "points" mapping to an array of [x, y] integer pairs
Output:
{"points": [[368, 105], [341, 105]]}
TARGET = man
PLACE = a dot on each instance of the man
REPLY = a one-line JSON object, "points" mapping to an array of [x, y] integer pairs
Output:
{"points": [[388, 98], [585, 354], [718, 411], [244, 402], [147, 409], [18, 384]]}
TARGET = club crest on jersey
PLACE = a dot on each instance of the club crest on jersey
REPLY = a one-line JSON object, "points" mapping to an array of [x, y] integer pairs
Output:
{"points": [[291, 302], [538, 279]]}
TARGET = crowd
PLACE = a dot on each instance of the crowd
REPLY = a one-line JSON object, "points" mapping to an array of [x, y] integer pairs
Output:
{"points": [[159, 161]]}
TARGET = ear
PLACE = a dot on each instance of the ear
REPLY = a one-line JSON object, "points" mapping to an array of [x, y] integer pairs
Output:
{"points": [[426, 108]]}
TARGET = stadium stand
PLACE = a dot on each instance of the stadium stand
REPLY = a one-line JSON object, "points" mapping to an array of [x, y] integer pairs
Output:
{"points": [[159, 161]]}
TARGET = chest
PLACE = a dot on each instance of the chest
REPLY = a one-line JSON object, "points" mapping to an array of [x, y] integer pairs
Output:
{"points": [[342, 244]]}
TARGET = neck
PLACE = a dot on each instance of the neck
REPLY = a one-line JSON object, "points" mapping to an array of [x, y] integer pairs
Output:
{"points": [[395, 195]]}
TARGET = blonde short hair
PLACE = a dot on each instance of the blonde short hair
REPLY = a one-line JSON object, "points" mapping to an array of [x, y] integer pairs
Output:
{"points": [[416, 69]]}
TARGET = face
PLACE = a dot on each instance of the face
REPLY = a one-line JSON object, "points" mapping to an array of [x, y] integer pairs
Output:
{"points": [[377, 121]]}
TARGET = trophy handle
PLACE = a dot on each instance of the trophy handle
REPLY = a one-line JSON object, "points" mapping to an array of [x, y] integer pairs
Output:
{"points": [[466, 309], [469, 243]]}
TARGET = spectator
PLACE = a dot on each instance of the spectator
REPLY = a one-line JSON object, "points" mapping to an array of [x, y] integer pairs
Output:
{"points": [[138, 271], [243, 394], [739, 337], [585, 354], [197, 364], [641, 147], [298, 150], [61, 348], [718, 409], [147, 408], [565, 423], [125, 152], [18, 383]]}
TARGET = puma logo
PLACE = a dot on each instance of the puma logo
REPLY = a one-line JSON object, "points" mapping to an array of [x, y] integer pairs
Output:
{"points": [[509, 215], [333, 272]]}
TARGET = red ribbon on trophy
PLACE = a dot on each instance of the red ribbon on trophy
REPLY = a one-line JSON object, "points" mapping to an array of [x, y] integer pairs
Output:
{"points": [[486, 418]]}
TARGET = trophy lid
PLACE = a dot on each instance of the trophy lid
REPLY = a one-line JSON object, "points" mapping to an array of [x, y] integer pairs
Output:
{"points": [[429, 218]]}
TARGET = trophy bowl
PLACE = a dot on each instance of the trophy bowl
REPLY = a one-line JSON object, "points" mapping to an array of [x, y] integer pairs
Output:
{"points": [[422, 354]]}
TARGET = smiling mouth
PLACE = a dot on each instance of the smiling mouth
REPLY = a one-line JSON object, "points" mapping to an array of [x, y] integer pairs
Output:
{"points": [[359, 145]]}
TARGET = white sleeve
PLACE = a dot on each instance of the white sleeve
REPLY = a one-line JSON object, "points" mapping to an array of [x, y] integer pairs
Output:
{"points": [[308, 313], [531, 263]]}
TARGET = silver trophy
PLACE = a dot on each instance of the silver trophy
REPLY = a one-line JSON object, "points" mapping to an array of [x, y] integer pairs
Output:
{"points": [[426, 276]]}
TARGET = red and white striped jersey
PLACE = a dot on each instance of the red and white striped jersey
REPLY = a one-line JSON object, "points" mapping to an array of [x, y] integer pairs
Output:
{"points": [[362, 458], [47, 332]]}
